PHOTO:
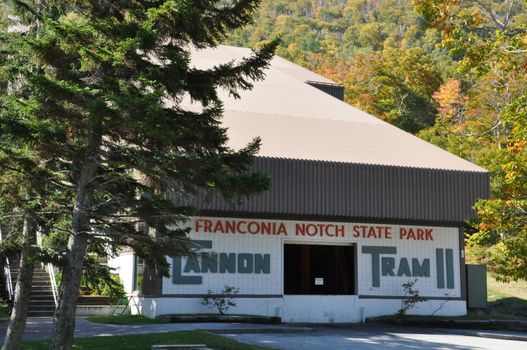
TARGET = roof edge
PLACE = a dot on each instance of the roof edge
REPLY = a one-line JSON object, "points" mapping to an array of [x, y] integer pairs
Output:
{"points": [[326, 218], [484, 171]]}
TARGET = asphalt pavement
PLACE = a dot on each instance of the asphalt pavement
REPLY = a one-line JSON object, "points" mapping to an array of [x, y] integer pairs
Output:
{"points": [[40, 328], [385, 337], [312, 337]]}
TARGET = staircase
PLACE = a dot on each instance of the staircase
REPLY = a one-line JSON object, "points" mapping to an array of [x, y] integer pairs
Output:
{"points": [[41, 302]]}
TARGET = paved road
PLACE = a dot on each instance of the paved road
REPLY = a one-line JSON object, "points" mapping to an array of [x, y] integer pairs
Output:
{"points": [[377, 338], [354, 337], [40, 328]]}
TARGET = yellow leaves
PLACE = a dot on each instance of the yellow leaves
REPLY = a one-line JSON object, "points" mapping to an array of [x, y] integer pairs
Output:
{"points": [[476, 20], [73, 18], [70, 131]]}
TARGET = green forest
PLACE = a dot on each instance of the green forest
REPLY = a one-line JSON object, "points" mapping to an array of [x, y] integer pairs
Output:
{"points": [[452, 72]]}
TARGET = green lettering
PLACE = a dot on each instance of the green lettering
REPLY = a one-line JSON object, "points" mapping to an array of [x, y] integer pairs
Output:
{"points": [[262, 263], [245, 263], [404, 268], [209, 262], [227, 262], [375, 261], [387, 266], [421, 270]]}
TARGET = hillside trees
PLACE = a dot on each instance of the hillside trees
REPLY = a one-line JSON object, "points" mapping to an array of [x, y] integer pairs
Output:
{"points": [[489, 38], [336, 28], [359, 44], [96, 97], [3, 16], [395, 85]]}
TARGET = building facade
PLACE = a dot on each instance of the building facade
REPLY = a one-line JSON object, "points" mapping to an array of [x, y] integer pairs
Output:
{"points": [[357, 209]]}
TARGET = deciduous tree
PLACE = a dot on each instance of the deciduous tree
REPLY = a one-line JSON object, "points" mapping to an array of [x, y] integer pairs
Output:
{"points": [[489, 39]]}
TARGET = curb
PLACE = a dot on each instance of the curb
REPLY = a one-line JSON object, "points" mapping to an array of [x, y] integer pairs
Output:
{"points": [[496, 329], [260, 330], [502, 336], [505, 325]]}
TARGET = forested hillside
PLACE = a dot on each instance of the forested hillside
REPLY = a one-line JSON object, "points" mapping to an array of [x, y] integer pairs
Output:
{"points": [[381, 50], [454, 72]]}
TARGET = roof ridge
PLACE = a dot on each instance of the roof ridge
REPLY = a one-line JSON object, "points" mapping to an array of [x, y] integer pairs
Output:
{"points": [[380, 121]]}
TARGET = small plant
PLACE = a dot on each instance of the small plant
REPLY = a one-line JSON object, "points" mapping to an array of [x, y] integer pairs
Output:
{"points": [[410, 299], [222, 301]]}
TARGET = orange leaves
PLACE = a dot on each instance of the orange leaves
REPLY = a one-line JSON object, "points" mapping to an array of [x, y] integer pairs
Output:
{"points": [[485, 227], [450, 100], [517, 147]]}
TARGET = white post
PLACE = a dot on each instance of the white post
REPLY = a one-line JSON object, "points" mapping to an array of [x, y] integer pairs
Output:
{"points": [[363, 315]]}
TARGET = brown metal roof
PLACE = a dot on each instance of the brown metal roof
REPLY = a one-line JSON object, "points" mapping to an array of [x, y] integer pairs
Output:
{"points": [[338, 141], [298, 121], [347, 192]]}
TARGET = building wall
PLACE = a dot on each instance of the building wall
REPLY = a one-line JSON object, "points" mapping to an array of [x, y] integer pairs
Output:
{"points": [[124, 265], [410, 243], [297, 308], [431, 255]]}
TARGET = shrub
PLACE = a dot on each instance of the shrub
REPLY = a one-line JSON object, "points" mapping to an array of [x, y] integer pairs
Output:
{"points": [[222, 301], [410, 299]]}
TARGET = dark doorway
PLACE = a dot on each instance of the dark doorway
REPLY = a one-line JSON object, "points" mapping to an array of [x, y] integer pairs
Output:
{"points": [[319, 269]]}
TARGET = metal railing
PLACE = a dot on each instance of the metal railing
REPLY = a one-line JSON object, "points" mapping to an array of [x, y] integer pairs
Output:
{"points": [[7, 275], [51, 272]]}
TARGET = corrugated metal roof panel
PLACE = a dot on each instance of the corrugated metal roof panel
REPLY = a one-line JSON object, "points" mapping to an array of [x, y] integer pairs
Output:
{"points": [[338, 190], [338, 141]]}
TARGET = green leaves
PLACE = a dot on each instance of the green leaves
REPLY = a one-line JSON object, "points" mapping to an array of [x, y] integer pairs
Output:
{"points": [[489, 38]]}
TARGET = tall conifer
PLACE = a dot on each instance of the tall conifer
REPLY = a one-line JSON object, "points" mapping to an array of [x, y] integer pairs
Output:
{"points": [[96, 94]]}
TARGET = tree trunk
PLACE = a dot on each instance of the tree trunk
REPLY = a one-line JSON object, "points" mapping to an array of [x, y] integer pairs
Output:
{"points": [[64, 319], [17, 322]]}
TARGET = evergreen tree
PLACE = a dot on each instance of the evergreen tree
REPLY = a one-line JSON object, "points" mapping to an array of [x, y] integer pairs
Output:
{"points": [[96, 97], [26, 191]]}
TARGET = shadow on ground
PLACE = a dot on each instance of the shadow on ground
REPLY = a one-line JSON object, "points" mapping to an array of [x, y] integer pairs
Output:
{"points": [[508, 306]]}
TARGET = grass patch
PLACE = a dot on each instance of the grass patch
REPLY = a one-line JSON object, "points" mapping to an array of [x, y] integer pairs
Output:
{"points": [[3, 312], [499, 290], [145, 341], [510, 308], [125, 319], [508, 300]]}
